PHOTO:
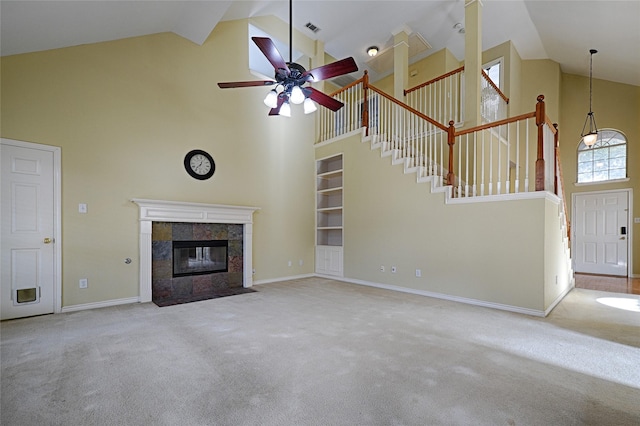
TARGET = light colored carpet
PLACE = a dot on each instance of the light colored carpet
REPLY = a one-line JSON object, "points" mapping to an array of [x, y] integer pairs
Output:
{"points": [[321, 352]]}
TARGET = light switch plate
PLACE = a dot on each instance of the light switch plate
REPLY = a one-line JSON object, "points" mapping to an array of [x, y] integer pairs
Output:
{"points": [[636, 220]]}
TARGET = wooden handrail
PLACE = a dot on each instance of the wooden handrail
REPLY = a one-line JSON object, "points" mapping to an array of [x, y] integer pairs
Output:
{"points": [[408, 108], [496, 88], [560, 178], [552, 126], [443, 76], [497, 123], [349, 86]]}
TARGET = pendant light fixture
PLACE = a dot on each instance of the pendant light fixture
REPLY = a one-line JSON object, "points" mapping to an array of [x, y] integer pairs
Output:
{"points": [[590, 135]]}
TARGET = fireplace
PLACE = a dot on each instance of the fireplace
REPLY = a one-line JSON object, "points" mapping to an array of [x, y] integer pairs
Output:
{"points": [[151, 212], [199, 257], [195, 261]]}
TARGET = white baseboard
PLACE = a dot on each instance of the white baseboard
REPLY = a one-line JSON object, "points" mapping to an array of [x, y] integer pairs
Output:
{"points": [[560, 297], [468, 301], [96, 305], [275, 280]]}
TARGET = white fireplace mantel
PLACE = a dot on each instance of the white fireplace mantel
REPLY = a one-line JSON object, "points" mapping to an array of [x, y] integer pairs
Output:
{"points": [[176, 211]]}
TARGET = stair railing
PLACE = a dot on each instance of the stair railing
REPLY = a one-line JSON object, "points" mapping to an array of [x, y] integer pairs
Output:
{"points": [[411, 136], [559, 181], [352, 116], [440, 98], [493, 103], [493, 158]]}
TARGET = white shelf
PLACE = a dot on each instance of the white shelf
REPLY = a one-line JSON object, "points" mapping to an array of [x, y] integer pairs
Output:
{"points": [[329, 214]]}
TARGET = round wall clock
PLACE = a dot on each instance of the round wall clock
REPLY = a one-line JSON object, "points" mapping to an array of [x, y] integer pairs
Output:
{"points": [[199, 164]]}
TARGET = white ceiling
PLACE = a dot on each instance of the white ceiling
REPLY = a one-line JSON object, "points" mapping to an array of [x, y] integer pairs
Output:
{"points": [[563, 31]]}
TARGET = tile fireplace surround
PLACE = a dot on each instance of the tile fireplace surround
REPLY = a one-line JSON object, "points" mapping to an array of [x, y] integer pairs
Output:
{"points": [[175, 211]]}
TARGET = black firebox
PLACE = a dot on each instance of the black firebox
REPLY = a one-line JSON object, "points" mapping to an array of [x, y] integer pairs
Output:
{"points": [[200, 257]]}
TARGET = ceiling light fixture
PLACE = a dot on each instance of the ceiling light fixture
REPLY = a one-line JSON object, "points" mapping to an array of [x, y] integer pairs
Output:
{"points": [[591, 136], [372, 51], [290, 78]]}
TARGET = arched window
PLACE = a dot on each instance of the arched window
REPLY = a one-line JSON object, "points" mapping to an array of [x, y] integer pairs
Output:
{"points": [[605, 160]]}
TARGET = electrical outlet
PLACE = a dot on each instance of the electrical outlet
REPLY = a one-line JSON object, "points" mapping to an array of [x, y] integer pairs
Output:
{"points": [[289, 263], [381, 268], [393, 269], [418, 273], [300, 262], [83, 283]]}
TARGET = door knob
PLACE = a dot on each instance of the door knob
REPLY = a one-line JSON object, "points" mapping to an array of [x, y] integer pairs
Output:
{"points": [[48, 240]]}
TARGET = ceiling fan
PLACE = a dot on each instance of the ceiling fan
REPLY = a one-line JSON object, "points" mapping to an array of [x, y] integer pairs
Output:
{"points": [[290, 78]]}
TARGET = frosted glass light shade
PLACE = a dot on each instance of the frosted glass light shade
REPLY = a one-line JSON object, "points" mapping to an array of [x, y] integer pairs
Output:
{"points": [[590, 139], [297, 97], [309, 106], [285, 109], [272, 99]]}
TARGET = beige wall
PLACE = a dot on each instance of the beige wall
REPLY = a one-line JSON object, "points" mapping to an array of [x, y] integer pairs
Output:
{"points": [[615, 106], [125, 113], [434, 65], [512, 73], [541, 77], [478, 251]]}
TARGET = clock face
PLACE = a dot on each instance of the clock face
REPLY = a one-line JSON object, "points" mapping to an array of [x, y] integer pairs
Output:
{"points": [[199, 164]]}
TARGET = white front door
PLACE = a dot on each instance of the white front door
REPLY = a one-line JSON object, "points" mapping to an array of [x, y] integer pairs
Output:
{"points": [[28, 232], [601, 228]]}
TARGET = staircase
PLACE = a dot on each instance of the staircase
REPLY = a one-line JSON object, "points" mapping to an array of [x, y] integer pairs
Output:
{"points": [[510, 159]]}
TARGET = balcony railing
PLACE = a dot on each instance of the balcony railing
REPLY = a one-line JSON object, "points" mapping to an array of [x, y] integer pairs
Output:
{"points": [[494, 158], [443, 98], [513, 155]]}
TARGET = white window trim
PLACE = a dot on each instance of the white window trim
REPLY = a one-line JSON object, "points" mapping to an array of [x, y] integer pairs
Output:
{"points": [[601, 182], [500, 61]]}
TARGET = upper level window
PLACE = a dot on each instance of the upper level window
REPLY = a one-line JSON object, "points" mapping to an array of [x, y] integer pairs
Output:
{"points": [[493, 70], [605, 160]]}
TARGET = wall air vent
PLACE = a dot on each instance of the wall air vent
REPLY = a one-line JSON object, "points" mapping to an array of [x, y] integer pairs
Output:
{"points": [[312, 27]]}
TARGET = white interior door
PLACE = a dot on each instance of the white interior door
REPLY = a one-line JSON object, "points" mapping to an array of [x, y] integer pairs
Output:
{"points": [[601, 227], [28, 230]]}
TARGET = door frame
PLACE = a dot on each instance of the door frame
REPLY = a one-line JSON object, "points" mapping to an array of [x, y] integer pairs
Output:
{"points": [[629, 192], [57, 213]]}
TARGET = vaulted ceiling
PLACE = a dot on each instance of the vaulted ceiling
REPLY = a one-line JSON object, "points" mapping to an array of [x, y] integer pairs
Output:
{"points": [[563, 31]]}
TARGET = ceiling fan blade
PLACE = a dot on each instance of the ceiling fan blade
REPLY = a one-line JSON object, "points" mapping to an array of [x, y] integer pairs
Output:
{"points": [[246, 84], [324, 100], [334, 69], [276, 110], [269, 50]]}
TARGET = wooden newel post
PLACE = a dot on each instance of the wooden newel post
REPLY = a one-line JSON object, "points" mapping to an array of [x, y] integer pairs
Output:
{"points": [[451, 140], [556, 159], [540, 116], [365, 102]]}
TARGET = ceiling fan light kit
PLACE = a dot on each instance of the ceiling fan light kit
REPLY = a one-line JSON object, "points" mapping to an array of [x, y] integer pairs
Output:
{"points": [[290, 79]]}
